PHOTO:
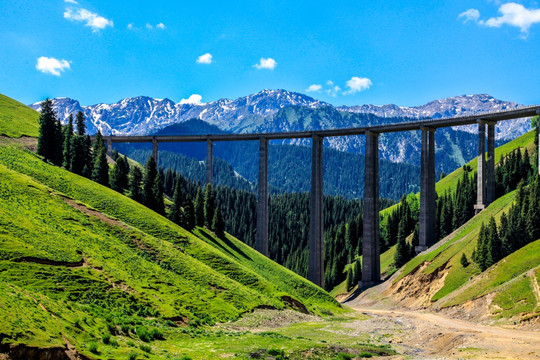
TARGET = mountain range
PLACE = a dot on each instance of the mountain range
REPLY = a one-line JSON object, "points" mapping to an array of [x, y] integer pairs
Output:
{"points": [[146, 115], [282, 110]]}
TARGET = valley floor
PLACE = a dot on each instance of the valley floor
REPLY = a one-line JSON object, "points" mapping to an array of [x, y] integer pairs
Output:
{"points": [[423, 335]]}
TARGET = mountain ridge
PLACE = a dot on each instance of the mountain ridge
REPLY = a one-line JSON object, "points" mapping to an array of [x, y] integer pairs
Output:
{"points": [[144, 115]]}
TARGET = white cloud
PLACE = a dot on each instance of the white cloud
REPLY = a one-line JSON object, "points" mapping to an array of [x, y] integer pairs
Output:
{"points": [[194, 99], [91, 19], [205, 59], [314, 88], [514, 14], [52, 66], [149, 26], [161, 26], [131, 26], [71, 2], [267, 63], [470, 15], [334, 89], [356, 84]]}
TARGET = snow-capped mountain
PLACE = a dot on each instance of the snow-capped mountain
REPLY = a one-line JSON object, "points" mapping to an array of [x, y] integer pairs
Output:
{"points": [[145, 115], [281, 110], [463, 105]]}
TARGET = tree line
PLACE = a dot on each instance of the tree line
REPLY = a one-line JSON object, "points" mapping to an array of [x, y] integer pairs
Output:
{"points": [[457, 207]]}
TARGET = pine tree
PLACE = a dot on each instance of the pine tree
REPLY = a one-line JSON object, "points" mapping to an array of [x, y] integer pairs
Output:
{"points": [[78, 156], [100, 169], [189, 215], [119, 175], [217, 224], [175, 212], [199, 208], [533, 216], [158, 195], [68, 142], [50, 141], [402, 249], [149, 179], [209, 205], [481, 248], [494, 252], [135, 181], [81, 123], [349, 279], [358, 265], [464, 261]]}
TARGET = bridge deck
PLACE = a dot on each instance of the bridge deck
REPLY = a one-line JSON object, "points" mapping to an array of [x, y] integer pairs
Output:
{"points": [[406, 126]]}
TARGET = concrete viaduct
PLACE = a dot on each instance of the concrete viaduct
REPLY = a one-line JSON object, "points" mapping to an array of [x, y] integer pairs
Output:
{"points": [[371, 256]]}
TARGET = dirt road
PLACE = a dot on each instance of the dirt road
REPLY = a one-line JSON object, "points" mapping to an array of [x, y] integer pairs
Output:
{"points": [[422, 335]]}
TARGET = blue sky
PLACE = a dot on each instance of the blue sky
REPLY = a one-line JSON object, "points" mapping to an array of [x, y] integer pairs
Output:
{"points": [[344, 52]]}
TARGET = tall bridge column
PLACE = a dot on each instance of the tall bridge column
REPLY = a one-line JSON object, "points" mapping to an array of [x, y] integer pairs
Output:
{"points": [[261, 244], [427, 226], [155, 151], [371, 268], [109, 147], [490, 164], [209, 161], [316, 245], [481, 181]]}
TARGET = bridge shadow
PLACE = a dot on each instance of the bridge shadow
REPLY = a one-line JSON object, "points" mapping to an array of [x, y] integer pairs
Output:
{"points": [[228, 243]]}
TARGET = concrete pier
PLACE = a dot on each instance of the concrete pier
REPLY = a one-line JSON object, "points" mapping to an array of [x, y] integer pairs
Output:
{"points": [[109, 147], [490, 163], [371, 268], [481, 181], [155, 151], [209, 161], [261, 244], [427, 225], [316, 245]]}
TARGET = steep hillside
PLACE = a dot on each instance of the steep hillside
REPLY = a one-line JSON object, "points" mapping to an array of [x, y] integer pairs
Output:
{"points": [[437, 279], [85, 268], [17, 119]]}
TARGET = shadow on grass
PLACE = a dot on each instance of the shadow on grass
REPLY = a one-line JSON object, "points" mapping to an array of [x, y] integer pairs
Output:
{"points": [[227, 242]]}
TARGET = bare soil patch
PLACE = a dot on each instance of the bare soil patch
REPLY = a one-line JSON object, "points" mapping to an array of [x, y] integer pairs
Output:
{"points": [[423, 335]]}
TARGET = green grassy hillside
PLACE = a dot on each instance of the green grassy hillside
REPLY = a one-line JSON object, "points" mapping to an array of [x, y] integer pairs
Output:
{"points": [[17, 119], [79, 262], [510, 282]]}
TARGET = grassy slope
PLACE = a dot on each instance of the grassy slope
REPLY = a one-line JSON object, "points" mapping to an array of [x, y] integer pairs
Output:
{"points": [[17, 119], [136, 260], [508, 278], [464, 239], [449, 182]]}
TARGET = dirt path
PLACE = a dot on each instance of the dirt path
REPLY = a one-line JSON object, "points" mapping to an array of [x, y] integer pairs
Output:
{"points": [[424, 335], [534, 284]]}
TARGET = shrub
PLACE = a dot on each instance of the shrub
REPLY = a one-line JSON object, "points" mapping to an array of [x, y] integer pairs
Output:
{"points": [[132, 356], [170, 323], [156, 334], [114, 343], [464, 261], [125, 328], [145, 348], [276, 352], [93, 347], [106, 338], [365, 354], [143, 333], [343, 356], [130, 343]]}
